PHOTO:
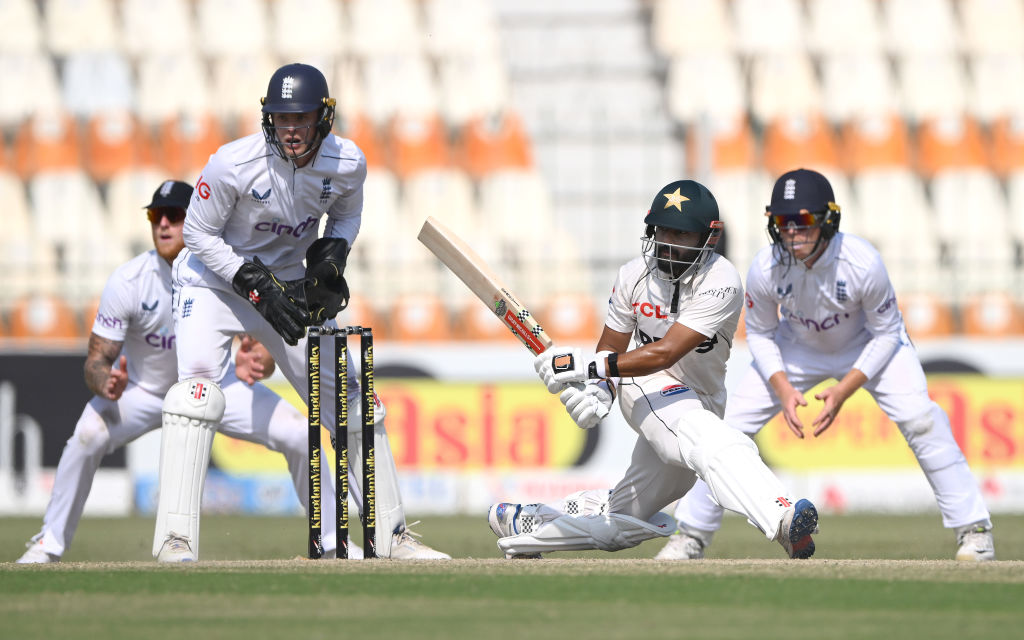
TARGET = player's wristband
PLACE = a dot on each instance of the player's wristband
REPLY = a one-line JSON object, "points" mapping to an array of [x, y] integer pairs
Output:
{"points": [[598, 369]]}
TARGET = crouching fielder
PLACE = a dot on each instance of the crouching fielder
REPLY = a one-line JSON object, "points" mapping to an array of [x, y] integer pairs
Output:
{"points": [[681, 302], [820, 306]]}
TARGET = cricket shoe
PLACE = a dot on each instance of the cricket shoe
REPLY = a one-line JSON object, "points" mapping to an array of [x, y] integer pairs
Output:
{"points": [[681, 546], [511, 519], [34, 553], [176, 548], [405, 546], [976, 544], [798, 523]]}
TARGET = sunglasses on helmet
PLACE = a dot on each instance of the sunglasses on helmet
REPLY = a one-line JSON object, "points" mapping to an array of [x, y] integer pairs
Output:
{"points": [[783, 221], [173, 214]]}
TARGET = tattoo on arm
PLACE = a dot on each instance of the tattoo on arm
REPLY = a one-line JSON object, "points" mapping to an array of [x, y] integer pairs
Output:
{"points": [[101, 357]]}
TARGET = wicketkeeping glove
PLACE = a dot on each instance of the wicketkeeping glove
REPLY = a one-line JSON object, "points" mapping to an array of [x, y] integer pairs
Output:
{"points": [[282, 304], [326, 290]]}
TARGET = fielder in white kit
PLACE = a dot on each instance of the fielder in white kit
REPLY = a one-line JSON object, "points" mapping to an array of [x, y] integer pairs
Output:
{"points": [[253, 218], [820, 306], [134, 320], [681, 303]]}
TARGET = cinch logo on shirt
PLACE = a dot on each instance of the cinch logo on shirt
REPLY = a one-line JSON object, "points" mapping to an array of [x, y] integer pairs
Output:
{"points": [[888, 304], [110, 323], [830, 322], [276, 228], [160, 340]]}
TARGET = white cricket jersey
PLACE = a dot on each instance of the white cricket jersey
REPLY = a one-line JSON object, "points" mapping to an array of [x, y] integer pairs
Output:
{"points": [[641, 304], [845, 299], [251, 202], [135, 309]]}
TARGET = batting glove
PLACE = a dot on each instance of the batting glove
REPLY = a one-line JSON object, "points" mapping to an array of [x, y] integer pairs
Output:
{"points": [[588, 404]]}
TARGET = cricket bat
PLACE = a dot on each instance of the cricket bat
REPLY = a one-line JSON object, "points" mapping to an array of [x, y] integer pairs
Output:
{"points": [[474, 272]]}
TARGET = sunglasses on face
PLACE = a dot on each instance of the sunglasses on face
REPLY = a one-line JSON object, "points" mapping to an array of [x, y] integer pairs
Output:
{"points": [[795, 219], [173, 215]]}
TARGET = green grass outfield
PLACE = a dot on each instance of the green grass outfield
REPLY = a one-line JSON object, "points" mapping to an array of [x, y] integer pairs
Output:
{"points": [[873, 577]]}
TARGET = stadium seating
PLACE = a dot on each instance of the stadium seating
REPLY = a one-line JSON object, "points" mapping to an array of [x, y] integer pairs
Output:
{"points": [[419, 317], [22, 30], [992, 314], [571, 318], [49, 141], [38, 317], [72, 26], [115, 141], [926, 316], [538, 129]]}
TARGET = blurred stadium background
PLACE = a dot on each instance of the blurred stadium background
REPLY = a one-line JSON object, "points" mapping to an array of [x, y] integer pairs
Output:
{"points": [[539, 130]]}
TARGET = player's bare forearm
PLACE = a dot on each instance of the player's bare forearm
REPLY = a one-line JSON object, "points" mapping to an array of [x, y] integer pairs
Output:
{"points": [[853, 380], [98, 362], [661, 354]]}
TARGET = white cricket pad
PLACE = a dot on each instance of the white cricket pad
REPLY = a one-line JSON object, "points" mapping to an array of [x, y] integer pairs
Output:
{"points": [[610, 532], [728, 461], [192, 410], [390, 514]]}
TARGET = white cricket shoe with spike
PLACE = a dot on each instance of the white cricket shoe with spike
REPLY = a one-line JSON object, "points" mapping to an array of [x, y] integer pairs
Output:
{"points": [[176, 548], [798, 523], [34, 553], [406, 547], [975, 543], [681, 546]]}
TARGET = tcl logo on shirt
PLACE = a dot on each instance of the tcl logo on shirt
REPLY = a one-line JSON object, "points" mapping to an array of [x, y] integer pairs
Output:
{"points": [[649, 310]]}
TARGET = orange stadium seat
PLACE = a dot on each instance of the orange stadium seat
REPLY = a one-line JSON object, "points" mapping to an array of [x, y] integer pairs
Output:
{"points": [[732, 144], [992, 314], [49, 141], [359, 312], [875, 141], [417, 143], [89, 312], [798, 141], [569, 317], [114, 142], [419, 317], [360, 129], [926, 316], [186, 142], [1007, 150], [476, 321], [494, 142], [741, 328], [43, 317], [953, 142]]}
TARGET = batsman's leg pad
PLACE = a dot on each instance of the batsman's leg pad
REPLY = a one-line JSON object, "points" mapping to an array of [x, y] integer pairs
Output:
{"points": [[390, 513], [610, 532], [586, 503], [192, 410], [728, 461]]}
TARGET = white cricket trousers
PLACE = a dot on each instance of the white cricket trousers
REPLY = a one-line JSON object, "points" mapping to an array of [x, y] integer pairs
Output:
{"points": [[901, 391]]}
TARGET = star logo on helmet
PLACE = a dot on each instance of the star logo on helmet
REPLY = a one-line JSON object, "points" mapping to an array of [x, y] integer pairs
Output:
{"points": [[675, 199]]}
